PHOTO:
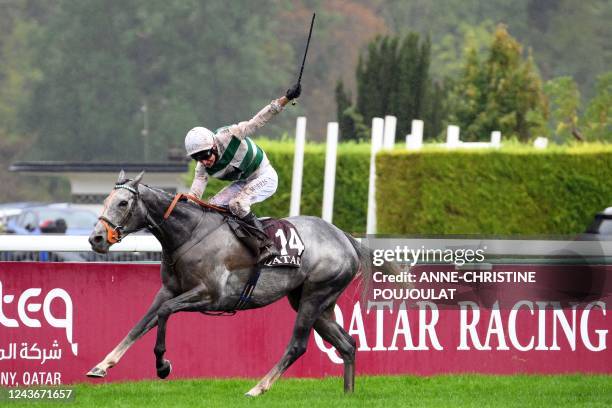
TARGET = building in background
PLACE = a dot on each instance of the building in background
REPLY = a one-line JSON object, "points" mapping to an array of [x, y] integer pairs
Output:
{"points": [[90, 183]]}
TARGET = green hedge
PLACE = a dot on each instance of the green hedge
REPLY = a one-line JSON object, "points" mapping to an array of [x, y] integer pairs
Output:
{"points": [[351, 194], [515, 190]]}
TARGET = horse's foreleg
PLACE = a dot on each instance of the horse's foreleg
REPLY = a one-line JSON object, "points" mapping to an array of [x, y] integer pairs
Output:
{"points": [[194, 299], [142, 327], [334, 334]]}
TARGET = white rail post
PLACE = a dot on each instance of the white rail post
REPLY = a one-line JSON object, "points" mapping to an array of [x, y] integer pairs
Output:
{"points": [[496, 139], [452, 136], [330, 171], [540, 142], [389, 132], [377, 139], [298, 166], [414, 141]]}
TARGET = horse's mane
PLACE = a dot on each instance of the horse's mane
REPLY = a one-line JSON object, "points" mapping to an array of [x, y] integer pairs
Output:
{"points": [[158, 190], [169, 196]]}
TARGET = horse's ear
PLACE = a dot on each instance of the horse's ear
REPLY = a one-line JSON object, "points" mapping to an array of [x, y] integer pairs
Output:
{"points": [[137, 179], [121, 176]]}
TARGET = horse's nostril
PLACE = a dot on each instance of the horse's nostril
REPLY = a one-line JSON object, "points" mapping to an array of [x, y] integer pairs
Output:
{"points": [[97, 239]]}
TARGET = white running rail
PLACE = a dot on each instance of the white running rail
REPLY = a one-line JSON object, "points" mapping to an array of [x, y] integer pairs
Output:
{"points": [[73, 243]]}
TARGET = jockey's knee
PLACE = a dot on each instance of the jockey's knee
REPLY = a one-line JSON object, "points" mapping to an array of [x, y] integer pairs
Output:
{"points": [[240, 207]]}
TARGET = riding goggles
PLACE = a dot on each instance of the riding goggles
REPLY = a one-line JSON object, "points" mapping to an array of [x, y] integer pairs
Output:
{"points": [[203, 155]]}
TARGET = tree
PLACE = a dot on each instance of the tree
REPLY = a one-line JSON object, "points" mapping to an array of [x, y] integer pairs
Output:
{"points": [[350, 121], [437, 109], [502, 93], [570, 38], [563, 102], [377, 77], [449, 52], [598, 118], [343, 102], [393, 79], [413, 82], [19, 22], [191, 63]]}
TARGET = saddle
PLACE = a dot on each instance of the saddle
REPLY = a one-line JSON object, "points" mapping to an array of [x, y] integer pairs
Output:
{"points": [[281, 232]]}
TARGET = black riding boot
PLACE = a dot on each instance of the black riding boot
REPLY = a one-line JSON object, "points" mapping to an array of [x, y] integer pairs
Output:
{"points": [[267, 249]]}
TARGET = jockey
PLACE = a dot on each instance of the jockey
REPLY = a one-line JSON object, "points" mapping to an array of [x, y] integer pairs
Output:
{"points": [[229, 154]]}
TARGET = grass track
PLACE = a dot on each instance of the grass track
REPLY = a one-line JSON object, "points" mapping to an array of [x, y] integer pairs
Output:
{"points": [[437, 391]]}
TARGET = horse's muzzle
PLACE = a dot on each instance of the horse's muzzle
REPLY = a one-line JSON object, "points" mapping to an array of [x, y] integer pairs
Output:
{"points": [[97, 240]]}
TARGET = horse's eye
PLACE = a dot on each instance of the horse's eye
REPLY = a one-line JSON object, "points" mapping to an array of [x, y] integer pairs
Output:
{"points": [[123, 203]]}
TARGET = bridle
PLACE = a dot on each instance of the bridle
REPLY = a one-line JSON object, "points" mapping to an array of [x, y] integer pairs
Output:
{"points": [[116, 232]]}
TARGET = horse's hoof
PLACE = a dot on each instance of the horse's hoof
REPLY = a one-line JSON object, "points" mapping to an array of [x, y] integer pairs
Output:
{"points": [[164, 370], [254, 392], [96, 373]]}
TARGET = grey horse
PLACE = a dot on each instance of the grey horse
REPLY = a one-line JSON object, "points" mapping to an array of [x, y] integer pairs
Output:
{"points": [[205, 268]]}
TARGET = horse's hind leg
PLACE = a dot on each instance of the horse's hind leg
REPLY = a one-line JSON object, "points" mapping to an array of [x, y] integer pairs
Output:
{"points": [[334, 334], [312, 305]]}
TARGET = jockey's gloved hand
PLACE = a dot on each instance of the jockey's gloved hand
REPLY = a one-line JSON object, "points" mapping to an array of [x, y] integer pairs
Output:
{"points": [[294, 92]]}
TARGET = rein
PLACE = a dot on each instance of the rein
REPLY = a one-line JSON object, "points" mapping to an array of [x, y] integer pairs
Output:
{"points": [[196, 200]]}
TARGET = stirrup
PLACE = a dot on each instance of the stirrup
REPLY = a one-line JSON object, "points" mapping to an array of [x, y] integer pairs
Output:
{"points": [[266, 253], [258, 242]]}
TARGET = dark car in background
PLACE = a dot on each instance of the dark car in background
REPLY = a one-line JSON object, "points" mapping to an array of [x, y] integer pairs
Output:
{"points": [[601, 227]]}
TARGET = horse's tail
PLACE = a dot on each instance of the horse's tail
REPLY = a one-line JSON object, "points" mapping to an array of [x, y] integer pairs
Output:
{"points": [[366, 266], [365, 258]]}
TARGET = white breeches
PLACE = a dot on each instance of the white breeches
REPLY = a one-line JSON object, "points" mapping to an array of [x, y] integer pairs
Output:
{"points": [[242, 193]]}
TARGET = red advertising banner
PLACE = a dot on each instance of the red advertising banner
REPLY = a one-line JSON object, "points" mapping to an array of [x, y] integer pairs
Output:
{"points": [[58, 320]]}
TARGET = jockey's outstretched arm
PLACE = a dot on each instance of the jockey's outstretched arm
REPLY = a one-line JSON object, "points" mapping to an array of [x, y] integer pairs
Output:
{"points": [[247, 128], [240, 130]]}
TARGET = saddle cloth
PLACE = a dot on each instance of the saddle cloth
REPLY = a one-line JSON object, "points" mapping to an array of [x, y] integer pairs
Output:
{"points": [[281, 232], [288, 241]]}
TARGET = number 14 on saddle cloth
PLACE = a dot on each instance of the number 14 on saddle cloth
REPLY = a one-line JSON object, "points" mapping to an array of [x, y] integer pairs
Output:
{"points": [[287, 240]]}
